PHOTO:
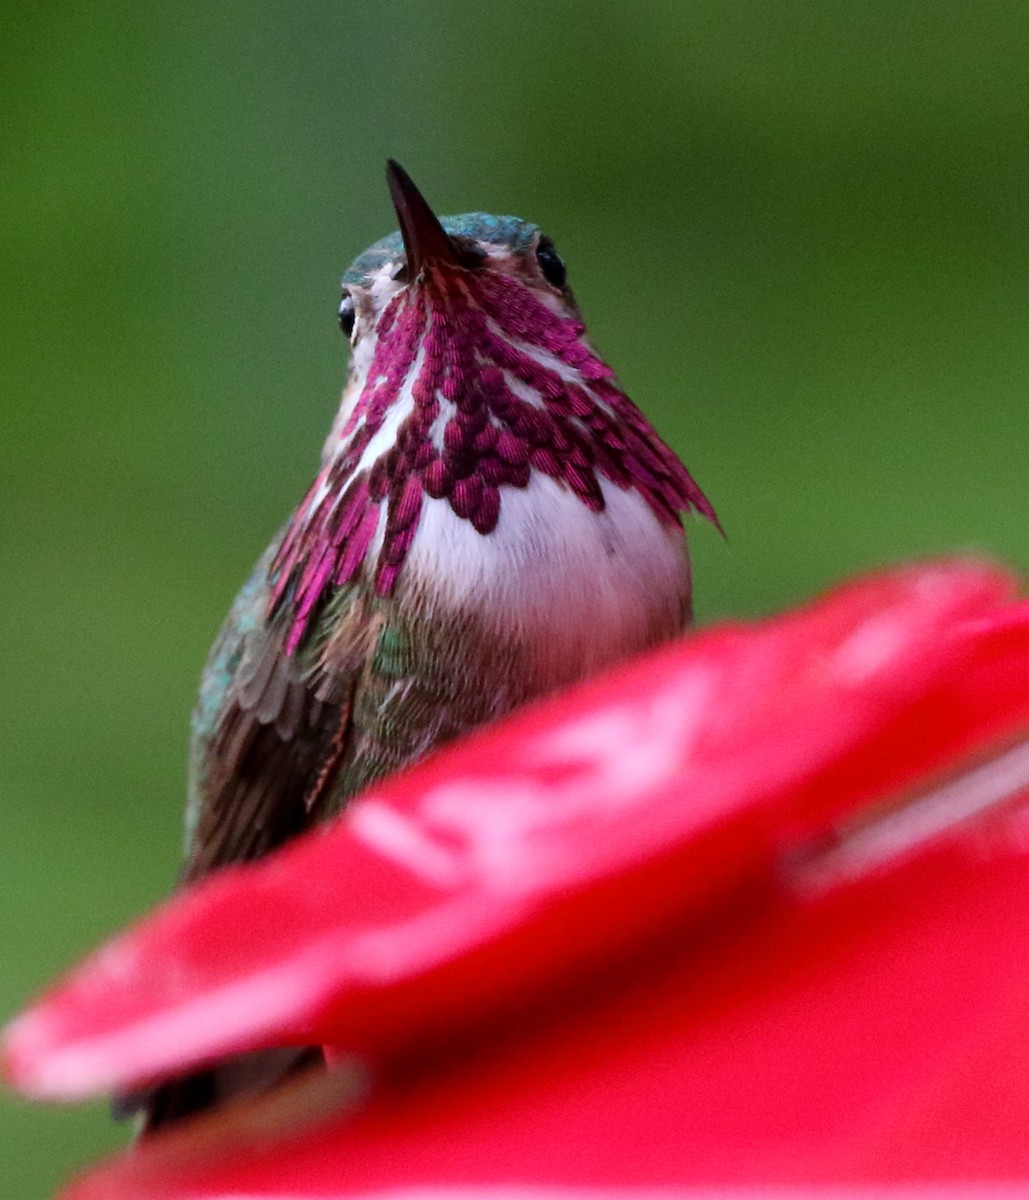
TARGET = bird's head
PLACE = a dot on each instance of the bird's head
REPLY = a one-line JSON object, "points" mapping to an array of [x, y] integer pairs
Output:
{"points": [[443, 264]]}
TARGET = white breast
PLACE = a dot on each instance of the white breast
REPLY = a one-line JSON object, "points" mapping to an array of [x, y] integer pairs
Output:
{"points": [[582, 589]]}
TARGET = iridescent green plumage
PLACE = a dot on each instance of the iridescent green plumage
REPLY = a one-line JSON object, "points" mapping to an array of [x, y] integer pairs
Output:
{"points": [[475, 227]]}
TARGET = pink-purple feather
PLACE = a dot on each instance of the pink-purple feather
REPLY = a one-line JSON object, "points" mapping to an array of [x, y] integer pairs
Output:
{"points": [[472, 326]]}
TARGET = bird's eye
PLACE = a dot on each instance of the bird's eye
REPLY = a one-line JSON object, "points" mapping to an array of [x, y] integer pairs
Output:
{"points": [[347, 315], [551, 264]]}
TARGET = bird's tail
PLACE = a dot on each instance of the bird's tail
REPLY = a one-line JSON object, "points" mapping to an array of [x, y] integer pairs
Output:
{"points": [[241, 1076]]}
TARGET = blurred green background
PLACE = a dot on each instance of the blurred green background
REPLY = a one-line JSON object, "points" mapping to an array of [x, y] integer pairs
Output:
{"points": [[798, 231]]}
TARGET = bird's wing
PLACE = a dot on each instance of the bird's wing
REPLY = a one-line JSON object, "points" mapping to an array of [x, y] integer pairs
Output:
{"points": [[269, 730]]}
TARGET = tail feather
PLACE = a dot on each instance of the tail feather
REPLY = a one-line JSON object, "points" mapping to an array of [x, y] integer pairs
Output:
{"points": [[239, 1077]]}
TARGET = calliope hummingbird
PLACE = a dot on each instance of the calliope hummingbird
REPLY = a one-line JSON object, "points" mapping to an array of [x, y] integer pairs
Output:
{"points": [[493, 518]]}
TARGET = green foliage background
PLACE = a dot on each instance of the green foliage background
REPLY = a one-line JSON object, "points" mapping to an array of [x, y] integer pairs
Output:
{"points": [[797, 229]]}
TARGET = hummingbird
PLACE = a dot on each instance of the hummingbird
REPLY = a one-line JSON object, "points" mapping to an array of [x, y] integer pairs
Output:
{"points": [[493, 518]]}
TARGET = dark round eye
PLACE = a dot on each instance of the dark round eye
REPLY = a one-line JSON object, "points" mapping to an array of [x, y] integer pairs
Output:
{"points": [[347, 316], [550, 263]]}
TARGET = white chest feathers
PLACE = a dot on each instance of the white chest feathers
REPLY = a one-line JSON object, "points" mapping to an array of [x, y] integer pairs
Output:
{"points": [[579, 589]]}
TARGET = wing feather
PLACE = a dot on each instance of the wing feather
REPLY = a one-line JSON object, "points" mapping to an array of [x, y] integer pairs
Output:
{"points": [[267, 729]]}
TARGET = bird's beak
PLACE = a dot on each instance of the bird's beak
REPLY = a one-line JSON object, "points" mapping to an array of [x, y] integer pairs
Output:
{"points": [[424, 237]]}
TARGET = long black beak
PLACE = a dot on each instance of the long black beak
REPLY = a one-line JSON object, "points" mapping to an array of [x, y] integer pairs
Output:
{"points": [[424, 237]]}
